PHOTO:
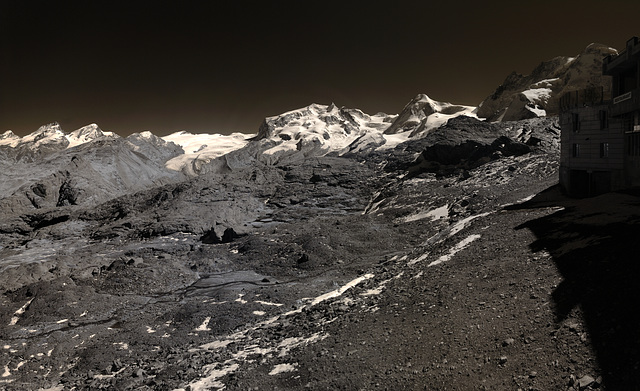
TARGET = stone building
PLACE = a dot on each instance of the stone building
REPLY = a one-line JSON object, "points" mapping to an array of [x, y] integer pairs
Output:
{"points": [[601, 134]]}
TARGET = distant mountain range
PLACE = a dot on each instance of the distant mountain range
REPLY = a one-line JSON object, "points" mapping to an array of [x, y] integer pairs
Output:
{"points": [[87, 166]]}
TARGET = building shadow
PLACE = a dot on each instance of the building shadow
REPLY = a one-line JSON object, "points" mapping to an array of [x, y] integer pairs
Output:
{"points": [[595, 244]]}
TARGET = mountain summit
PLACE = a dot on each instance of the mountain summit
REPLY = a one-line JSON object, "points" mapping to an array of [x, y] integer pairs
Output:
{"points": [[52, 138], [86, 134], [422, 114], [537, 94]]}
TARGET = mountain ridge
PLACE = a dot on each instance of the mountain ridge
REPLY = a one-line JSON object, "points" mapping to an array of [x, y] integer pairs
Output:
{"points": [[537, 94]]}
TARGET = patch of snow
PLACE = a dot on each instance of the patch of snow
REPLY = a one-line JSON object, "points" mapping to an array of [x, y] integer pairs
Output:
{"points": [[205, 325], [419, 259], [521, 200], [217, 344], [373, 206], [432, 214], [460, 225], [282, 148], [281, 368], [341, 290], [251, 350], [393, 140], [213, 374], [537, 94], [150, 330], [292, 342], [372, 292], [268, 303], [380, 287], [20, 311], [259, 313], [546, 83], [537, 111], [109, 376], [6, 372], [455, 249]]}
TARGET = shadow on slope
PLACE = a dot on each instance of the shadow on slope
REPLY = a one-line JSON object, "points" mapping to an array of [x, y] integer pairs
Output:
{"points": [[595, 244]]}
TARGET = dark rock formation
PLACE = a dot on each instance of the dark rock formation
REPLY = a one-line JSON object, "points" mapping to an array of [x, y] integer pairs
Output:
{"points": [[67, 195], [229, 235]]}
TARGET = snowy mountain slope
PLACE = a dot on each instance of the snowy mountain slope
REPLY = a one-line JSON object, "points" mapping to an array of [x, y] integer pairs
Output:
{"points": [[154, 147], [423, 114], [319, 129], [8, 138], [86, 134], [48, 139], [537, 94], [202, 148]]}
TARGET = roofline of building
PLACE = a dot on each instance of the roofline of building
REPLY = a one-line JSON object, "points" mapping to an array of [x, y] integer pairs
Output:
{"points": [[623, 60]]}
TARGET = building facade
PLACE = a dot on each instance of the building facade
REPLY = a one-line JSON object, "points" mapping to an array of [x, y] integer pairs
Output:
{"points": [[600, 142]]}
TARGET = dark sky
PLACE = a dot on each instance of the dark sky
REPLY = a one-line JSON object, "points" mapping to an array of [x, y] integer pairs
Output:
{"points": [[223, 67]]}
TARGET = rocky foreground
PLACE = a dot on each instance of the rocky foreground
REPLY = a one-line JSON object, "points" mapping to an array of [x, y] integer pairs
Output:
{"points": [[450, 262]]}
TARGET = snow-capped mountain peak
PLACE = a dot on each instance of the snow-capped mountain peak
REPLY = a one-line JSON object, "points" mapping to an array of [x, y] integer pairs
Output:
{"points": [[52, 136], [88, 131], [146, 134], [320, 129], [422, 114], [9, 138], [85, 134], [7, 135], [538, 94], [46, 133]]}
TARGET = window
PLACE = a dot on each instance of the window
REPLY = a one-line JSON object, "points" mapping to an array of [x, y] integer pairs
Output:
{"points": [[576, 150], [628, 81], [575, 122], [604, 119], [604, 149]]}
